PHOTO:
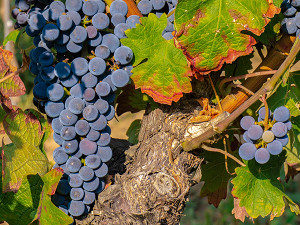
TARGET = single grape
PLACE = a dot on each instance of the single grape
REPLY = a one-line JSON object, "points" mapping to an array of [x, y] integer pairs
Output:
{"points": [[57, 138], [89, 80], [120, 78], [76, 105], [246, 137], [78, 35], [275, 147], [46, 58], [118, 6], [132, 21], [246, 122], [104, 139], [288, 125], [76, 194], [47, 73], [36, 22], [56, 9], [50, 32], [79, 66], [279, 129], [101, 187], [40, 91], [288, 25], [71, 81], [284, 140], [90, 113], [99, 124], [62, 70], [111, 41], [110, 114], [75, 16], [158, 4], [93, 161], [73, 164], [168, 36], [89, 94], [105, 153], [281, 114], [77, 91], [117, 19], [53, 109], [255, 132], [94, 42], [82, 127], [90, 8], [87, 147], [145, 7], [70, 146], [75, 180], [101, 171], [76, 208], [56, 125], [97, 66], [102, 51], [91, 31], [123, 55], [268, 136], [64, 209], [120, 29], [262, 155], [91, 185], [103, 89], [73, 5], [247, 151], [102, 106], [60, 156], [89, 197], [100, 21], [68, 133], [67, 118], [86, 173]]}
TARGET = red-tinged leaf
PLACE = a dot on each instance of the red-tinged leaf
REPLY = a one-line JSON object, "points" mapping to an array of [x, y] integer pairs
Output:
{"points": [[160, 69], [47, 212], [239, 212], [215, 177], [210, 32], [23, 157], [12, 86]]}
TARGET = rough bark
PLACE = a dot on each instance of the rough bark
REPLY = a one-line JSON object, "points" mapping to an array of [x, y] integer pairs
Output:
{"points": [[154, 187]]}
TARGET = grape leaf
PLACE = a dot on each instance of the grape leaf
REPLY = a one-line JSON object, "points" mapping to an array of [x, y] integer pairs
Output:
{"points": [[259, 190], [23, 157], [239, 212], [19, 208], [215, 177], [287, 94], [47, 212], [12, 86], [160, 69], [209, 32], [133, 132], [22, 207], [12, 36], [293, 147], [133, 100]]}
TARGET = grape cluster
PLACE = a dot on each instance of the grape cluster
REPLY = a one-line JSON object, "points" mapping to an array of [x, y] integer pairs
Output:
{"points": [[260, 142], [291, 23], [159, 7], [78, 64]]}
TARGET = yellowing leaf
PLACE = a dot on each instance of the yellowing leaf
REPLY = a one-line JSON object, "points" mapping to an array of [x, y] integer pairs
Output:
{"points": [[24, 156], [160, 69], [210, 31]]}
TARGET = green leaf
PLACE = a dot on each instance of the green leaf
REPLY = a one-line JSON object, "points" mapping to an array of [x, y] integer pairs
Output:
{"points": [[210, 31], [293, 147], [259, 190], [12, 36], [288, 95], [33, 202], [19, 208], [24, 156], [13, 86], [133, 100], [215, 177], [160, 69], [47, 212], [133, 132]]}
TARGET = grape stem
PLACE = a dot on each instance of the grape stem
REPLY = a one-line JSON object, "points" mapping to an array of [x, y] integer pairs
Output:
{"points": [[215, 91], [245, 76], [226, 160], [267, 87], [211, 149], [266, 119], [243, 88]]}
